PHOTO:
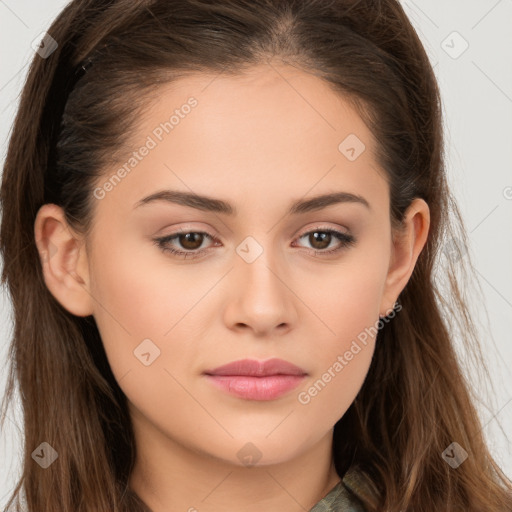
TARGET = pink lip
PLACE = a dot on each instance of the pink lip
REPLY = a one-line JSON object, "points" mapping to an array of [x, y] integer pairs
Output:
{"points": [[257, 380]]}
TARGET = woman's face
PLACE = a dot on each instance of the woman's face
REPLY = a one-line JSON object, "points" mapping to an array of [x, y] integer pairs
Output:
{"points": [[257, 283]]}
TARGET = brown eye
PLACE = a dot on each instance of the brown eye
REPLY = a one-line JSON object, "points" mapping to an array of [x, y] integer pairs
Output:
{"points": [[191, 241], [321, 241], [185, 244]]}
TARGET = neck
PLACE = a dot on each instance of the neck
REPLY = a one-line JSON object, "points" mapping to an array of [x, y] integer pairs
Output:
{"points": [[168, 476]]}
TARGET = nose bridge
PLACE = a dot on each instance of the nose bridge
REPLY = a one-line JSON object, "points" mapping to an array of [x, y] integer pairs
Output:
{"points": [[263, 297], [258, 265]]}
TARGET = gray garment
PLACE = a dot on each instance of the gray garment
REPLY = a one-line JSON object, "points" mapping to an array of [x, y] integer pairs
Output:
{"points": [[344, 496], [339, 499]]}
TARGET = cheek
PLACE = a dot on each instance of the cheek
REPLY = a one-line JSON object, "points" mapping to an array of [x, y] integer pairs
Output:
{"points": [[345, 297], [348, 307], [128, 309], [141, 296], [342, 359], [330, 392]]}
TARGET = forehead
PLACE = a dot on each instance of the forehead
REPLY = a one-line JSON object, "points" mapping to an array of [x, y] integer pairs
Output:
{"points": [[271, 129]]}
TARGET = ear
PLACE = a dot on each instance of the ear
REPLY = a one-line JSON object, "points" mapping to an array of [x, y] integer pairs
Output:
{"points": [[64, 260], [406, 247]]}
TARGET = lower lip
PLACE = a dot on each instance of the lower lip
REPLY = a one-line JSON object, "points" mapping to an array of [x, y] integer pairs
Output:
{"points": [[256, 388]]}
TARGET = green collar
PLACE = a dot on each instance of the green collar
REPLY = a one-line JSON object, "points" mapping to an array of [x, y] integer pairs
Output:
{"points": [[344, 496]]}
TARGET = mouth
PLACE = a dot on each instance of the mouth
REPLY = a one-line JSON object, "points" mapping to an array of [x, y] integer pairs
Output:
{"points": [[254, 380]]}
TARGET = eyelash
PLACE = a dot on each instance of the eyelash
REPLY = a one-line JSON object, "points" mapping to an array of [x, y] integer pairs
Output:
{"points": [[345, 239]]}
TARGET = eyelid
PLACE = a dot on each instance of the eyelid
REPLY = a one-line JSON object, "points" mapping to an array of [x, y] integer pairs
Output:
{"points": [[321, 227], [212, 233], [216, 235]]}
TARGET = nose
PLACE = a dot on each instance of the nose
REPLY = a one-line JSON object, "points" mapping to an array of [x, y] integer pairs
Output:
{"points": [[262, 298]]}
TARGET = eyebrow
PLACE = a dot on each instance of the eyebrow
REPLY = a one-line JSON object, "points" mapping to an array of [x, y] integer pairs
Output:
{"points": [[211, 204]]}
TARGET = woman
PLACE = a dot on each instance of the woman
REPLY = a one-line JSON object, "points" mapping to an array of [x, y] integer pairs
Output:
{"points": [[220, 226]]}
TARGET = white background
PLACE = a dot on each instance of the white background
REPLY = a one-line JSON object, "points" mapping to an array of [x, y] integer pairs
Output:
{"points": [[477, 97]]}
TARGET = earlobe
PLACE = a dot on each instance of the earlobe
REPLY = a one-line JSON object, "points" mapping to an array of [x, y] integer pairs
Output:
{"points": [[406, 249], [63, 260]]}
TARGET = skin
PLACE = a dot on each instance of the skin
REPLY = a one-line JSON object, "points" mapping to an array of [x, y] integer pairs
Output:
{"points": [[259, 141]]}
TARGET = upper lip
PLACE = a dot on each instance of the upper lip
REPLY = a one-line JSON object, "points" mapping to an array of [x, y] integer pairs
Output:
{"points": [[254, 368]]}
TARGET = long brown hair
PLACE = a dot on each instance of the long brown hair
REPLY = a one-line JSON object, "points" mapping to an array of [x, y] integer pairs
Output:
{"points": [[111, 57]]}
